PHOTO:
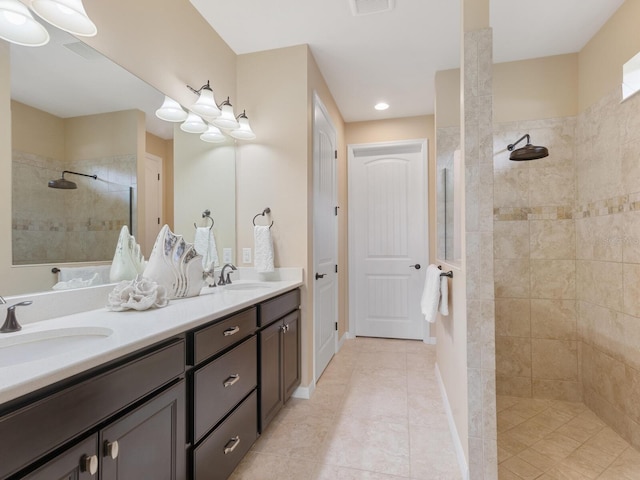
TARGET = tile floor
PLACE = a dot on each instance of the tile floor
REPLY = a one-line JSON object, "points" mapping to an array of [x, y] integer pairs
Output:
{"points": [[554, 440], [376, 414]]}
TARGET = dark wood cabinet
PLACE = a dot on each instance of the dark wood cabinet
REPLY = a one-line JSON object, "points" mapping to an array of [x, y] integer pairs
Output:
{"points": [[279, 346], [77, 463]]}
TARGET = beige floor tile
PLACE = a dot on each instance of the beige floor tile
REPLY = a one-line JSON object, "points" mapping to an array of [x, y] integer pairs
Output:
{"points": [[511, 444], [377, 345], [580, 429], [626, 466], [505, 401], [556, 446], [562, 472], [299, 440], [582, 462], [374, 446], [537, 459], [608, 441], [522, 469], [375, 360], [503, 455], [331, 472], [431, 454], [552, 418], [259, 466], [530, 432], [504, 474]]}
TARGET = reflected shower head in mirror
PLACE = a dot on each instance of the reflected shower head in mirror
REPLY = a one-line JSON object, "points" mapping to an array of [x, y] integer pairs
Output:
{"points": [[64, 184], [528, 152]]}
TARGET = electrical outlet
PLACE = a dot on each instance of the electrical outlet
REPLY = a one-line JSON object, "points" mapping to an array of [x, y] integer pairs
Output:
{"points": [[226, 255], [246, 255]]}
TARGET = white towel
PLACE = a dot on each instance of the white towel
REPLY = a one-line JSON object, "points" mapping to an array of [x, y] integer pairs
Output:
{"points": [[263, 249], [431, 294], [205, 244], [444, 295]]}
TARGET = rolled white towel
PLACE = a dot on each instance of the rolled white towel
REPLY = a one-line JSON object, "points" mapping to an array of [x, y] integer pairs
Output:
{"points": [[263, 249], [444, 295]]}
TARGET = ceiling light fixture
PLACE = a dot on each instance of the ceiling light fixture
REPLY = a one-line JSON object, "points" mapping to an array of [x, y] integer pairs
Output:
{"points": [[381, 106], [18, 26], [171, 111], [67, 15]]}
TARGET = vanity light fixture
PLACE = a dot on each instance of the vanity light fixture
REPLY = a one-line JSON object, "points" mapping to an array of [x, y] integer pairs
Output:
{"points": [[171, 111], [67, 15], [193, 124], [206, 104], [213, 135], [18, 26], [227, 119], [243, 132]]}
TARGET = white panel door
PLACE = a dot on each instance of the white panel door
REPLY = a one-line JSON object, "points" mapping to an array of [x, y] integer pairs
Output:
{"points": [[388, 247], [325, 277], [152, 201]]}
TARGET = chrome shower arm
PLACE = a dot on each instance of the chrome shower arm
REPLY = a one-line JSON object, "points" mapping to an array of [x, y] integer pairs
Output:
{"points": [[513, 145]]}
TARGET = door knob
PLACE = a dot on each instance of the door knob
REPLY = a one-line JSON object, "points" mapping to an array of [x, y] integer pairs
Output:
{"points": [[416, 266], [320, 275], [111, 449]]}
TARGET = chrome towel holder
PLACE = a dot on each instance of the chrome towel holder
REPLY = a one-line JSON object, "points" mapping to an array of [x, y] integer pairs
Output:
{"points": [[206, 214], [446, 274], [264, 212]]}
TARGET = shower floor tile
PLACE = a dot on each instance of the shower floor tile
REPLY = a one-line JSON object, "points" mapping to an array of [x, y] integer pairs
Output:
{"points": [[571, 443], [376, 414]]}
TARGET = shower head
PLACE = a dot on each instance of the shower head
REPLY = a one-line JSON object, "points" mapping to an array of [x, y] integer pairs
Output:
{"points": [[65, 184], [528, 152]]}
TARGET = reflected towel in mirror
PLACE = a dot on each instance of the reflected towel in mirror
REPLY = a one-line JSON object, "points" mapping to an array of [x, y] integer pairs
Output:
{"points": [[205, 244]]}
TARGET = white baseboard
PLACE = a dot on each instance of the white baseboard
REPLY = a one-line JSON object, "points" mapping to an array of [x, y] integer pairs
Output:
{"points": [[349, 336], [304, 392], [457, 444], [341, 341], [430, 340]]}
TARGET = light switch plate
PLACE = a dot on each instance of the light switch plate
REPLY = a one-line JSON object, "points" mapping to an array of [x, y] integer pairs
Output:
{"points": [[246, 255], [226, 255]]}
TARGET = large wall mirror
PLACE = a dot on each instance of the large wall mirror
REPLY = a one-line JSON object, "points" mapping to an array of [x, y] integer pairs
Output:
{"points": [[75, 110]]}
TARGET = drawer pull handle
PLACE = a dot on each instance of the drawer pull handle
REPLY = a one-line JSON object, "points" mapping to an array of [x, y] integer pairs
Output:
{"points": [[111, 449], [231, 380], [231, 331], [232, 444], [89, 464]]}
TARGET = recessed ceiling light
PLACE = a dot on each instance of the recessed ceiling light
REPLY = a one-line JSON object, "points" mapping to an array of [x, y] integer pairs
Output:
{"points": [[381, 106]]}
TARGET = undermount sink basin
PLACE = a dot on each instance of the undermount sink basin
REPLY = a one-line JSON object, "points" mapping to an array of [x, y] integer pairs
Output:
{"points": [[246, 286], [26, 347]]}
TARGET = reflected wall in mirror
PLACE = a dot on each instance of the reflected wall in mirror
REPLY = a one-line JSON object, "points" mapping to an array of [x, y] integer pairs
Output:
{"points": [[74, 109], [448, 183], [631, 77]]}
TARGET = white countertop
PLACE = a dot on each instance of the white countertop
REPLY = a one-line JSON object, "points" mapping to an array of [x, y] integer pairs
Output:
{"points": [[132, 330]]}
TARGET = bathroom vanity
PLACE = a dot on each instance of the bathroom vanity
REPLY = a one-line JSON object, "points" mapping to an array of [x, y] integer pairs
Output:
{"points": [[182, 401]]}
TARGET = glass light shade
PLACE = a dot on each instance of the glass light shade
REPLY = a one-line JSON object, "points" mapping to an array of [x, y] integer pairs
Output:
{"points": [[243, 132], [213, 135], [206, 104], [193, 124], [18, 26], [171, 111], [227, 119], [67, 15]]}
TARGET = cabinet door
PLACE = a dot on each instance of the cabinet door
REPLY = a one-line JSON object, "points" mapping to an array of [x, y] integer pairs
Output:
{"points": [[270, 387], [148, 443], [291, 353], [77, 463]]}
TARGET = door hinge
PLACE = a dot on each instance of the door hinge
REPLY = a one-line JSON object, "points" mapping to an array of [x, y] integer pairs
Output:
{"points": [[158, 220], [336, 326], [336, 210], [335, 154], [158, 177], [336, 268]]}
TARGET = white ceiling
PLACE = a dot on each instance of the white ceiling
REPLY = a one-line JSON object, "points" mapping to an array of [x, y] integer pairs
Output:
{"points": [[393, 56]]}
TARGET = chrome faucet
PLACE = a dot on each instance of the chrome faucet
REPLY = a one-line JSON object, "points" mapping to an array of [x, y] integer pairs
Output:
{"points": [[226, 281], [11, 322]]}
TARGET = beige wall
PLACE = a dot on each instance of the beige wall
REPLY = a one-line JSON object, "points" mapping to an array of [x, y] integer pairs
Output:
{"points": [[37, 132], [273, 170], [164, 149], [601, 60], [102, 135], [447, 101]]}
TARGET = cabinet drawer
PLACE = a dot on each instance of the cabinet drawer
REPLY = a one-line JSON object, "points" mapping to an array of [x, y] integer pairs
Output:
{"points": [[40, 427], [278, 307], [220, 385], [211, 340], [215, 458]]}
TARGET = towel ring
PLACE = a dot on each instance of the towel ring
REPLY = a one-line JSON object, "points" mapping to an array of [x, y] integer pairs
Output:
{"points": [[206, 214], [264, 212]]}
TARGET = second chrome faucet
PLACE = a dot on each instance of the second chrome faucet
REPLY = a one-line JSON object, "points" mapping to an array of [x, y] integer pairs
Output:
{"points": [[226, 280]]}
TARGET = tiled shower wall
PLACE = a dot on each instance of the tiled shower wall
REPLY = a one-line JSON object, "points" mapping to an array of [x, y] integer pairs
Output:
{"points": [[52, 225], [537, 350], [608, 260]]}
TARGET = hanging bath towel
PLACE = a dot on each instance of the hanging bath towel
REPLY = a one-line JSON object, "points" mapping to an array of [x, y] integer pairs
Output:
{"points": [[431, 294], [205, 244], [263, 247]]}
